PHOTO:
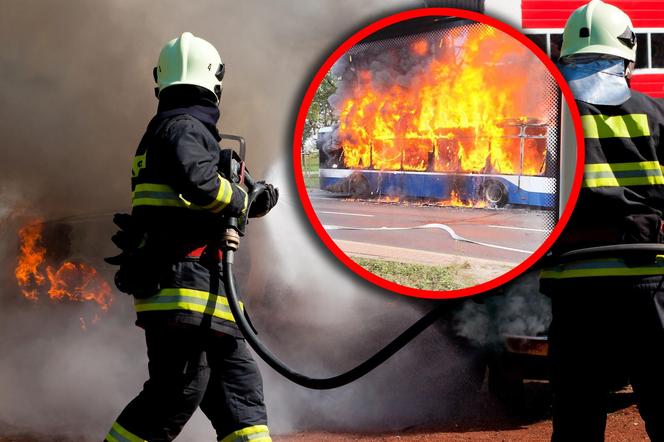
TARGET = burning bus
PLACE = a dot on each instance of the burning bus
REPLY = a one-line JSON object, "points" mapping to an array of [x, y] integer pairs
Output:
{"points": [[443, 108]]}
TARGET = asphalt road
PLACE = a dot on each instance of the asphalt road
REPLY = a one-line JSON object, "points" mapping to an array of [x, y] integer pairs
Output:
{"points": [[510, 228]]}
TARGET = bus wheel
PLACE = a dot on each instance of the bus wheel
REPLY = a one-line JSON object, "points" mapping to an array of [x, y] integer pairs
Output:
{"points": [[494, 194]]}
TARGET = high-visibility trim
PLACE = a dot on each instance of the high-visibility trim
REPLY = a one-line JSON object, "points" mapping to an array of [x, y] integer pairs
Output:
{"points": [[187, 299], [118, 433], [619, 126], [602, 267], [246, 201], [163, 195], [257, 433], [223, 196], [149, 194], [139, 163], [623, 174]]}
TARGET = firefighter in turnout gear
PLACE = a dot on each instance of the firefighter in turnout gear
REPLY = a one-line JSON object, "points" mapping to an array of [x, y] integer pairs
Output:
{"points": [[170, 262], [608, 310]]}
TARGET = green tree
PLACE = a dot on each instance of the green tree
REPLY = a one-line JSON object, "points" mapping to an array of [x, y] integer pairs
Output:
{"points": [[320, 113]]}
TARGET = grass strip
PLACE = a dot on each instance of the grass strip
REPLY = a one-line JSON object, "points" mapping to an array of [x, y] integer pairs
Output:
{"points": [[421, 276]]}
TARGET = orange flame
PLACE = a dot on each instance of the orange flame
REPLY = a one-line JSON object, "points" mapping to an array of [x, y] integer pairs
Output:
{"points": [[420, 47], [462, 112], [453, 201], [458, 202], [80, 283], [32, 256], [76, 282]]}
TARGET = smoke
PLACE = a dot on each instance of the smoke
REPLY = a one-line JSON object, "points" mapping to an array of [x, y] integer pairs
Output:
{"points": [[76, 96], [521, 310], [325, 320], [78, 91]]}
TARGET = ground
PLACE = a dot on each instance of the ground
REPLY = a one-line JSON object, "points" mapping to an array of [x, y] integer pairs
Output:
{"points": [[623, 425], [485, 424], [474, 245]]}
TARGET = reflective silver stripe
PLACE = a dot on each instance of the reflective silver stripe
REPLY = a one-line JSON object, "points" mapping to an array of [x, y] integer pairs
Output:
{"points": [[185, 299], [623, 174]]}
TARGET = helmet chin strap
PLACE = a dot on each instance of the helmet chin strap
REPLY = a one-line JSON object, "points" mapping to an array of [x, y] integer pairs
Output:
{"points": [[629, 71]]}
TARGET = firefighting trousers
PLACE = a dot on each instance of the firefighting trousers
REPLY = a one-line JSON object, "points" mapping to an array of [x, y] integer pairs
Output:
{"points": [[606, 331], [191, 368]]}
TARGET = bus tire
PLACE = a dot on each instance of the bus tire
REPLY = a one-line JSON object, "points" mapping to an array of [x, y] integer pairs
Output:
{"points": [[494, 193]]}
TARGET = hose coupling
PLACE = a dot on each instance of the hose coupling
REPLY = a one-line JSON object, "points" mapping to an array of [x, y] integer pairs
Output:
{"points": [[230, 240]]}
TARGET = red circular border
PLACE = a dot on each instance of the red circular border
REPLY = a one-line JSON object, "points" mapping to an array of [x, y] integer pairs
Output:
{"points": [[329, 242]]}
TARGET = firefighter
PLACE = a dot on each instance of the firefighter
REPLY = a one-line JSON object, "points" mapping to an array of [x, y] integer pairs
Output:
{"points": [[170, 262], [608, 311]]}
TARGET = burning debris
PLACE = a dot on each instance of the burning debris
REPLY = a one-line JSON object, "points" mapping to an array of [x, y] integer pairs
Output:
{"points": [[68, 281]]}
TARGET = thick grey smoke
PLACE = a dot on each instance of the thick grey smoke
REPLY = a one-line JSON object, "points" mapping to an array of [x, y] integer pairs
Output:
{"points": [[77, 88], [522, 310], [76, 96]]}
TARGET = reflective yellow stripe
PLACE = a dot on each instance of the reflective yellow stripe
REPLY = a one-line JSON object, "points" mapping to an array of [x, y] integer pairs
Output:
{"points": [[623, 174], [246, 201], [157, 202], [150, 187], [163, 195], [149, 194], [187, 299], [601, 267], [257, 433], [621, 167], [620, 126], [120, 434], [223, 196], [618, 182]]}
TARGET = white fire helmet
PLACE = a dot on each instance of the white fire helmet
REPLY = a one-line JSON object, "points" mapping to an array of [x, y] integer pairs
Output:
{"points": [[597, 41], [189, 60], [599, 28]]}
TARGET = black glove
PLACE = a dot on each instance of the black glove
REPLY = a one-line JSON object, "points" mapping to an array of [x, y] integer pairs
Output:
{"points": [[140, 272], [265, 201], [127, 239]]}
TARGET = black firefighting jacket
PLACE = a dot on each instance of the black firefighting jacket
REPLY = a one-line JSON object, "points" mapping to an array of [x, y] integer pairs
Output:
{"points": [[622, 195], [180, 200]]}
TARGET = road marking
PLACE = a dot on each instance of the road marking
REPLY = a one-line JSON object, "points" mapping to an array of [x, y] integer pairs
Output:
{"points": [[345, 213], [444, 227], [519, 228], [323, 198]]}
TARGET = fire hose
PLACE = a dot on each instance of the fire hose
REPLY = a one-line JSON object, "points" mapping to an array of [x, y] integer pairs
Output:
{"points": [[230, 243]]}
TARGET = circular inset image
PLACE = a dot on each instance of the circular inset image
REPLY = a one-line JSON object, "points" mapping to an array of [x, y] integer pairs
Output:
{"points": [[435, 153]]}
